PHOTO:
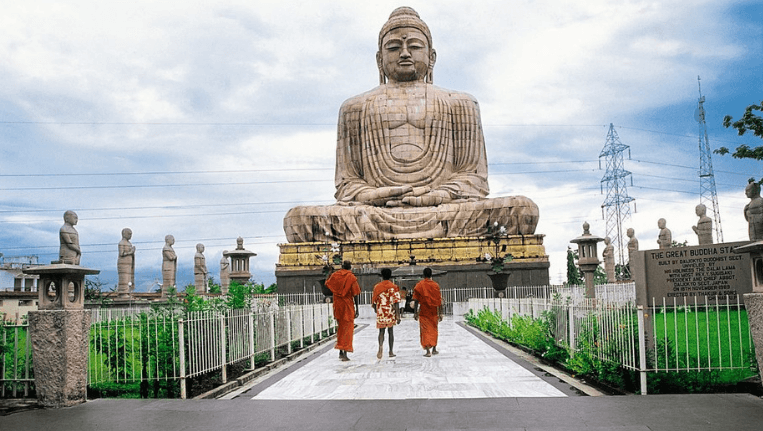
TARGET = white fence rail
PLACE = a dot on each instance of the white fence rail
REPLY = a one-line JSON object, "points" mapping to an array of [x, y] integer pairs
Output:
{"points": [[130, 347], [15, 360], [698, 335]]}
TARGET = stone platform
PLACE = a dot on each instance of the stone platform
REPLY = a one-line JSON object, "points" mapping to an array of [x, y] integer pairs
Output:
{"points": [[299, 267]]}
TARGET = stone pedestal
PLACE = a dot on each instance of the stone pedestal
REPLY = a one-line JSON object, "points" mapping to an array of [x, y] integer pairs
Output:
{"points": [[754, 304], [59, 348]]}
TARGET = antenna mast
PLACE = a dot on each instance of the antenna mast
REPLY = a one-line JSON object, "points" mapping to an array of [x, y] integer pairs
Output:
{"points": [[616, 208], [707, 193]]}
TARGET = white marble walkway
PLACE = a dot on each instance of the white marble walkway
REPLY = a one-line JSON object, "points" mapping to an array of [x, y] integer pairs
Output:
{"points": [[465, 368]]}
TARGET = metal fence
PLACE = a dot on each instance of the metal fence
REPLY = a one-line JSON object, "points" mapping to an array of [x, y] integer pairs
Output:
{"points": [[130, 347], [705, 334], [16, 374]]}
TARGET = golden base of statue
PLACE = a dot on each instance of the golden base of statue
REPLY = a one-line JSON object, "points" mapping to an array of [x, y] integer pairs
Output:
{"points": [[300, 265]]}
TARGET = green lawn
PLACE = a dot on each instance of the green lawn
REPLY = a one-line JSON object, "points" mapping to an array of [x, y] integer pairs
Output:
{"points": [[702, 340]]}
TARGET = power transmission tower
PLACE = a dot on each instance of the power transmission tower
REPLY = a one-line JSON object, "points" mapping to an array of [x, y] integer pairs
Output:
{"points": [[616, 208], [707, 193]]}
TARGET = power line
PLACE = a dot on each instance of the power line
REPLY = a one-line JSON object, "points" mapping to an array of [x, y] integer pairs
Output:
{"points": [[137, 186], [112, 174], [164, 207]]}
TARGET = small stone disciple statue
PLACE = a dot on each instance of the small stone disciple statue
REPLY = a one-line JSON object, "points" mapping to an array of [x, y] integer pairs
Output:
{"points": [[410, 157], [609, 260], [665, 239], [753, 212], [225, 272], [632, 243], [169, 264], [704, 227], [632, 250], [69, 252], [200, 269], [126, 264]]}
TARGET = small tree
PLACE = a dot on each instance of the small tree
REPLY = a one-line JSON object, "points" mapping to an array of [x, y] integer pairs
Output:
{"points": [[748, 123], [573, 273]]}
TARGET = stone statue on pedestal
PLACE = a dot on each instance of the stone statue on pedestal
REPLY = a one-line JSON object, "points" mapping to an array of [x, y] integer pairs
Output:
{"points": [[169, 264], [704, 227], [609, 260], [69, 252], [632, 243], [753, 212], [225, 272], [200, 269], [666, 238], [126, 264], [411, 159]]}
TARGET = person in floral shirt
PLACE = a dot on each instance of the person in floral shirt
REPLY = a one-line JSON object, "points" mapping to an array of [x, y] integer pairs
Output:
{"points": [[385, 301]]}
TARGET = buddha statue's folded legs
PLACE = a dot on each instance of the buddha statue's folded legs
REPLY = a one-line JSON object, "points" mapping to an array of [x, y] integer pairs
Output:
{"points": [[364, 222]]}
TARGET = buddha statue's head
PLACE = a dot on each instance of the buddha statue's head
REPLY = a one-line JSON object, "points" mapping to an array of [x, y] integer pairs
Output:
{"points": [[405, 48]]}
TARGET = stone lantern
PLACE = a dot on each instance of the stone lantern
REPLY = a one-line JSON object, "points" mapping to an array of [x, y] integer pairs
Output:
{"points": [[588, 259], [59, 331], [239, 262]]}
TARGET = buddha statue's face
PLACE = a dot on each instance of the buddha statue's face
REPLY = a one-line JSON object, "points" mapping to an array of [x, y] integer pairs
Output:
{"points": [[405, 55]]}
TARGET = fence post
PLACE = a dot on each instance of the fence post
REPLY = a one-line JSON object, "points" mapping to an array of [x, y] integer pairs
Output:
{"points": [[251, 340], [312, 323], [2, 362], [288, 329], [301, 326], [181, 341], [272, 336], [571, 322], [223, 342], [319, 321], [642, 349]]}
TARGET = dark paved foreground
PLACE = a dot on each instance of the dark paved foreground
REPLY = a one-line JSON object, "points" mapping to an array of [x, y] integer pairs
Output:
{"points": [[652, 412]]}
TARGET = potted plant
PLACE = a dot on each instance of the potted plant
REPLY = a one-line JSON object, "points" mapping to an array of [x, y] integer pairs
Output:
{"points": [[499, 275]]}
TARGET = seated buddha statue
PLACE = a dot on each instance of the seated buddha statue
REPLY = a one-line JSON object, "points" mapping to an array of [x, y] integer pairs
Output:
{"points": [[410, 157]]}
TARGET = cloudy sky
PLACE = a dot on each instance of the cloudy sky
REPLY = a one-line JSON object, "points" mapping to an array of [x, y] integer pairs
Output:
{"points": [[209, 120]]}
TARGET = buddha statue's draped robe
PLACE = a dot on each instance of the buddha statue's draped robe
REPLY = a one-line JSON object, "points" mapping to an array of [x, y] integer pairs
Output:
{"points": [[377, 146]]}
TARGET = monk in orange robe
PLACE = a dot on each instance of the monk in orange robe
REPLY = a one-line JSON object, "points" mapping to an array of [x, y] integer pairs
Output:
{"points": [[428, 311], [385, 300], [345, 288]]}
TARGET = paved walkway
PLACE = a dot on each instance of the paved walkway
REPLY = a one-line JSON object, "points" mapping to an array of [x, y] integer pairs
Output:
{"points": [[459, 371], [472, 384]]}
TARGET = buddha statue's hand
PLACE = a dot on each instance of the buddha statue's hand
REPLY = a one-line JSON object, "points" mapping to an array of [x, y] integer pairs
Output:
{"points": [[429, 199], [383, 196]]}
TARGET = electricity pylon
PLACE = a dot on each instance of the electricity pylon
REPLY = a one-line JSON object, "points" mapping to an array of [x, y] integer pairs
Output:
{"points": [[616, 208], [707, 193]]}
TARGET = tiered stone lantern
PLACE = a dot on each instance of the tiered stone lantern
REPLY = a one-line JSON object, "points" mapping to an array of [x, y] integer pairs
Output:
{"points": [[588, 258], [239, 262]]}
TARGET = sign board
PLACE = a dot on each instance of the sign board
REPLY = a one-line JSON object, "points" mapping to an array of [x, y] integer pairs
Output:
{"points": [[712, 271]]}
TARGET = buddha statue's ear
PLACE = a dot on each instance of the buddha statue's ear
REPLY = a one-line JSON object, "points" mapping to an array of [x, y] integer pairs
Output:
{"points": [[430, 71], [382, 77]]}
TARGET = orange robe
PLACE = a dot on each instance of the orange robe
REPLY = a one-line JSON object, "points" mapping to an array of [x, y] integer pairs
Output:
{"points": [[345, 286], [386, 296], [427, 294]]}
